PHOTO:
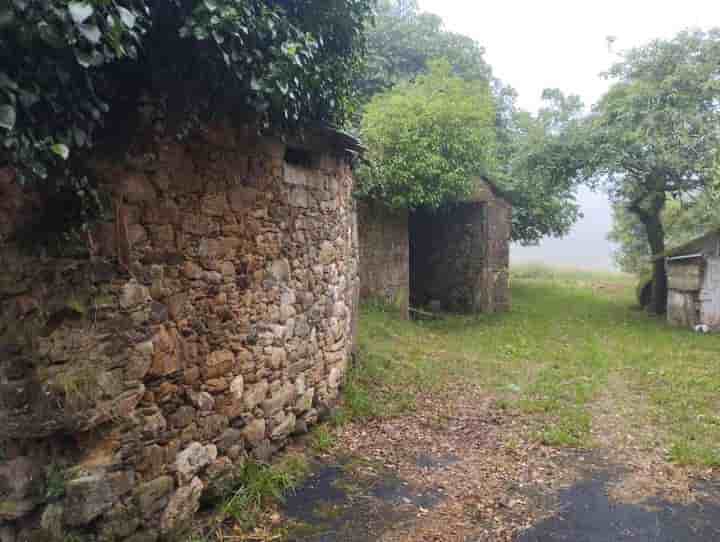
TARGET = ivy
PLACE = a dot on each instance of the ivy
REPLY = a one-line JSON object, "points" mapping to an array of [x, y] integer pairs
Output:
{"points": [[65, 64]]}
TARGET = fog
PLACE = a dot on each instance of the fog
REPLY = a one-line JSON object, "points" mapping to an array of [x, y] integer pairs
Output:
{"points": [[586, 247]]}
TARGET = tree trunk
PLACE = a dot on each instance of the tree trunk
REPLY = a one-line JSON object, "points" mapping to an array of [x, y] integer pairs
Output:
{"points": [[656, 239]]}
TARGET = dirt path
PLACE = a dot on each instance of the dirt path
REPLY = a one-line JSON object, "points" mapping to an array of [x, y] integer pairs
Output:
{"points": [[461, 469]]}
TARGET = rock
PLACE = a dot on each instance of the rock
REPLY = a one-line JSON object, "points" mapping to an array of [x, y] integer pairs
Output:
{"points": [[182, 417], [254, 432], [284, 396], [21, 480], [152, 496], [280, 270], [192, 271], [230, 437], [327, 253], [237, 387], [256, 394], [202, 400], [20, 477], [7, 533], [193, 459], [285, 426], [133, 294], [182, 506], [51, 521], [218, 363], [88, 497]]}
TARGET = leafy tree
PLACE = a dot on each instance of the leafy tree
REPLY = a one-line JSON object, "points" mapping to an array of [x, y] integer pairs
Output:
{"points": [[428, 140], [64, 64], [656, 133], [540, 156], [402, 44], [682, 221], [403, 40]]}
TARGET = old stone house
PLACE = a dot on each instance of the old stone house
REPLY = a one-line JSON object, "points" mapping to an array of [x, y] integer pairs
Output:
{"points": [[457, 256], [211, 320], [694, 282]]}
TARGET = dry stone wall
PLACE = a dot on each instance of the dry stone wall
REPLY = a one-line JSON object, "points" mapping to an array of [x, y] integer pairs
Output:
{"points": [[384, 255], [460, 254], [212, 321]]}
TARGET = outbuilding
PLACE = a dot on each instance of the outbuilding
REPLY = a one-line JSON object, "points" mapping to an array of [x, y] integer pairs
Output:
{"points": [[694, 282], [455, 257]]}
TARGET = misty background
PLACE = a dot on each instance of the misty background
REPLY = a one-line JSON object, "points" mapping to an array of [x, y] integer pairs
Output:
{"points": [[562, 44]]}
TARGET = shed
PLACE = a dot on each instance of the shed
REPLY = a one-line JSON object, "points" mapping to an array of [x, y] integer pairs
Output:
{"points": [[456, 256], [694, 282]]}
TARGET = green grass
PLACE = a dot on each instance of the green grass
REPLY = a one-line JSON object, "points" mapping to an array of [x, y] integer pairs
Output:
{"points": [[570, 338], [322, 439], [259, 484]]}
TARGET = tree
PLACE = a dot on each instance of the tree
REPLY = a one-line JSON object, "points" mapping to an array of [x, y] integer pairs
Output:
{"points": [[428, 140], [402, 44], [403, 40], [539, 159], [682, 221], [656, 132]]}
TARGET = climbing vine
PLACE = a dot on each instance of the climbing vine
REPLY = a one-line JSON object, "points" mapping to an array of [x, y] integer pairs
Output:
{"points": [[65, 64]]}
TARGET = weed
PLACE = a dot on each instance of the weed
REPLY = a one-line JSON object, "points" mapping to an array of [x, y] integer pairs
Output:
{"points": [[55, 478], [322, 439], [258, 484]]}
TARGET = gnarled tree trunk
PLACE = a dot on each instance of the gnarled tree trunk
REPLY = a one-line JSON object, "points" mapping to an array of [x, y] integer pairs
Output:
{"points": [[650, 216]]}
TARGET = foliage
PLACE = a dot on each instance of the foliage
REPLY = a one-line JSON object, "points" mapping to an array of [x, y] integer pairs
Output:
{"points": [[55, 478], [428, 140], [540, 157], [322, 439], [258, 484], [656, 132], [402, 41], [65, 64]]}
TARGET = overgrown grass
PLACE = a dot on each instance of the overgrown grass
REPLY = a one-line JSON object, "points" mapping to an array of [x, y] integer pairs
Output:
{"points": [[259, 484], [552, 357]]}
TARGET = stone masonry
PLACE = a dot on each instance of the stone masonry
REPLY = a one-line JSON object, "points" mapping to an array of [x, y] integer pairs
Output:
{"points": [[460, 254], [384, 269], [212, 320]]}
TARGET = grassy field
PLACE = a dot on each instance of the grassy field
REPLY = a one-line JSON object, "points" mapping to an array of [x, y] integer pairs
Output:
{"points": [[573, 343]]}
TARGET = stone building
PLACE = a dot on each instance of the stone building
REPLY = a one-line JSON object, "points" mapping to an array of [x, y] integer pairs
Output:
{"points": [[694, 283], [211, 320], [457, 256]]}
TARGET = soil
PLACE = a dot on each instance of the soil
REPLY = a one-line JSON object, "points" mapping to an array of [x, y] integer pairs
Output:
{"points": [[463, 469]]}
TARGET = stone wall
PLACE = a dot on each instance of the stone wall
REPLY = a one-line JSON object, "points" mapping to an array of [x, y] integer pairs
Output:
{"points": [[459, 255], [384, 255], [212, 320]]}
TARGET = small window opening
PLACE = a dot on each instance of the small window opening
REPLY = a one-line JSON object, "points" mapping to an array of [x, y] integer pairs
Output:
{"points": [[299, 157]]}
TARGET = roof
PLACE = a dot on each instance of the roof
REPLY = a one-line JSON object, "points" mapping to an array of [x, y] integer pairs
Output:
{"points": [[690, 246], [322, 136]]}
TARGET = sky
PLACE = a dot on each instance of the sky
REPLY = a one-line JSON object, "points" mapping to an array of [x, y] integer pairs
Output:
{"points": [[533, 45]]}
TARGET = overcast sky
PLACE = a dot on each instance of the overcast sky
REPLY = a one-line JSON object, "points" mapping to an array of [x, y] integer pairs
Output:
{"points": [[533, 45]]}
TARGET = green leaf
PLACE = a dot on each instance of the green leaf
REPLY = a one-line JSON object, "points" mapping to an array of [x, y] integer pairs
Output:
{"points": [[7, 117], [61, 150], [80, 11], [90, 32], [127, 17]]}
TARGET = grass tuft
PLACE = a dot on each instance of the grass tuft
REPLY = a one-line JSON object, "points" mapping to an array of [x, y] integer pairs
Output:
{"points": [[259, 484]]}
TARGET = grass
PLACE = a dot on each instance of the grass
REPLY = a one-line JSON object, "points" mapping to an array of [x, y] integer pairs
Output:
{"points": [[570, 338], [259, 484], [322, 439]]}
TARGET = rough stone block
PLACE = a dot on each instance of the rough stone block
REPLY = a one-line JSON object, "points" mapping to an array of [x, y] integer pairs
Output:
{"points": [[86, 498]]}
